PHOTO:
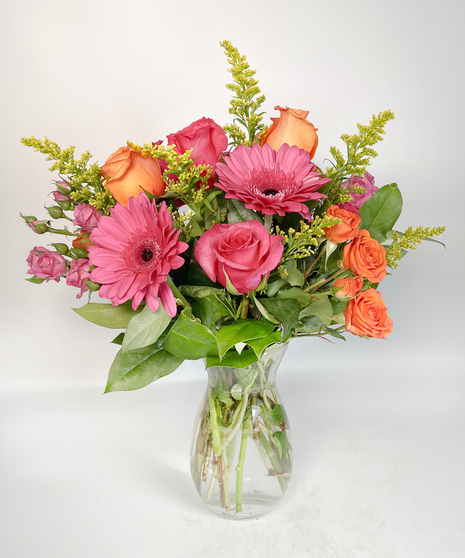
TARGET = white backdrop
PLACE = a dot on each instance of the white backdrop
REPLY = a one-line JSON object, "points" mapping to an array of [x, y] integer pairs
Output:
{"points": [[95, 74]]}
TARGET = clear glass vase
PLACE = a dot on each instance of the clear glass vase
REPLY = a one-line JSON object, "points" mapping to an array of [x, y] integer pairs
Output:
{"points": [[241, 450]]}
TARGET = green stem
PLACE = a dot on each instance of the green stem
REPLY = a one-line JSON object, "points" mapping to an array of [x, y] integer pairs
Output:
{"points": [[323, 281], [274, 461], [240, 469], [307, 273], [214, 422], [268, 222]]}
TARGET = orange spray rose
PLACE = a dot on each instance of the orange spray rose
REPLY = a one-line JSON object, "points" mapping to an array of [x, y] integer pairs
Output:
{"points": [[348, 287], [366, 315], [366, 257], [129, 173], [344, 231], [292, 127]]}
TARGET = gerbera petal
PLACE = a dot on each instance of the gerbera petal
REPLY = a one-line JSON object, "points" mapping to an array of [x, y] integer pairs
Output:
{"points": [[134, 250]]}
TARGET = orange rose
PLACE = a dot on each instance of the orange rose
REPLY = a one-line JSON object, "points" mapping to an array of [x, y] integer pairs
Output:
{"points": [[348, 287], [82, 241], [129, 174], [293, 128], [366, 315], [366, 257], [344, 231]]}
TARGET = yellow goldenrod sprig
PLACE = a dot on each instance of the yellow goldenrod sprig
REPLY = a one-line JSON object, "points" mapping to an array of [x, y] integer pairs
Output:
{"points": [[302, 243], [246, 100], [85, 181], [359, 147], [409, 240], [192, 180]]}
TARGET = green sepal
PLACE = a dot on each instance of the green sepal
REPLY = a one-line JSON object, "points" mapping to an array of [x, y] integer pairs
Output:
{"points": [[36, 280], [139, 368], [107, 315]]}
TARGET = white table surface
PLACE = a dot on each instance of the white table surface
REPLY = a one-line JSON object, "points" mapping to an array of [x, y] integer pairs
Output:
{"points": [[379, 471]]}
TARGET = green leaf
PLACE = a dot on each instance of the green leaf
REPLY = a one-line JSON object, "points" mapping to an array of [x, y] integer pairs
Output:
{"points": [[303, 298], [338, 305], [259, 345], [294, 276], [273, 288], [107, 315], [198, 291], [145, 328], [139, 368], [277, 414], [190, 340], [238, 213], [243, 330], [235, 360], [310, 324], [285, 310], [118, 340], [264, 312], [380, 213], [335, 333], [321, 308], [280, 440]]}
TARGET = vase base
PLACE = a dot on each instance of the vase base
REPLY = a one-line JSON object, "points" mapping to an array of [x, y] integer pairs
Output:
{"points": [[253, 506]]}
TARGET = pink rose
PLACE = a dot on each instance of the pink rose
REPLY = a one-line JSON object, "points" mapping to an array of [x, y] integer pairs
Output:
{"points": [[207, 139], [78, 273], [86, 217], [368, 182], [245, 252], [46, 264]]}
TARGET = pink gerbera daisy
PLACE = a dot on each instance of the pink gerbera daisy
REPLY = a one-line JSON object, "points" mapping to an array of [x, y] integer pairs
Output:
{"points": [[134, 250], [271, 181]]}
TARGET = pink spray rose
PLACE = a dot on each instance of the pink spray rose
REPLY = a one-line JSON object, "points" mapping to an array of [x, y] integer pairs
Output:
{"points": [[86, 217], [78, 273], [368, 182], [207, 139], [245, 252], [46, 264]]}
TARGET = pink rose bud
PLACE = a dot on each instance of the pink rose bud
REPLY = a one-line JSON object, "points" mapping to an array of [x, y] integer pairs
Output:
{"points": [[46, 264], [78, 274], [40, 227], [368, 182], [63, 187], [55, 212], [86, 217], [58, 196]]}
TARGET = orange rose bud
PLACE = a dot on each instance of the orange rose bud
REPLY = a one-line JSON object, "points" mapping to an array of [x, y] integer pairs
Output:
{"points": [[130, 173], [366, 315], [348, 287], [292, 127], [344, 231], [82, 241], [366, 257]]}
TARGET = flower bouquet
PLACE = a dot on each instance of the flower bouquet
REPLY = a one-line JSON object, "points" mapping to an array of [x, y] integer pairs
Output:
{"points": [[224, 244]]}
